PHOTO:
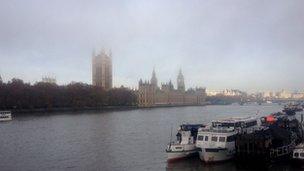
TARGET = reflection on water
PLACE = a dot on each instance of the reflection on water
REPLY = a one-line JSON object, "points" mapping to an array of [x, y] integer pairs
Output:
{"points": [[195, 164]]}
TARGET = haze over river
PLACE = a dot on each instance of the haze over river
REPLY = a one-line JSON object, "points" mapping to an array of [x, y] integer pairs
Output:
{"points": [[116, 140]]}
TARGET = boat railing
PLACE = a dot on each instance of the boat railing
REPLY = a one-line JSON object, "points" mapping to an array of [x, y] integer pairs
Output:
{"points": [[217, 130], [5, 112]]}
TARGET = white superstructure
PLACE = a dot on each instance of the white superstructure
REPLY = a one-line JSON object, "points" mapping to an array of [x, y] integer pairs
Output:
{"points": [[5, 115], [185, 144], [217, 140]]}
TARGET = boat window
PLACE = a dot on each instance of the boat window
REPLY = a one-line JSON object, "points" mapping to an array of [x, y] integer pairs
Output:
{"points": [[200, 138], [214, 139], [178, 148], [206, 138], [302, 154], [249, 124], [296, 154], [231, 138], [222, 139]]}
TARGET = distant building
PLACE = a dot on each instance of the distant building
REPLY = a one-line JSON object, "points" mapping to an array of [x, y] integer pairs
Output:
{"points": [[0, 79], [298, 95], [102, 69], [180, 81], [48, 79], [284, 94], [226, 92], [149, 94], [154, 79]]}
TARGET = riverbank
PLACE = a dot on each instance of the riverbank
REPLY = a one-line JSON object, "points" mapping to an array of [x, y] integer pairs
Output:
{"points": [[80, 109], [103, 108]]}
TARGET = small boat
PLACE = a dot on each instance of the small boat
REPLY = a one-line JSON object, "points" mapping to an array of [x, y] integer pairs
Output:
{"points": [[5, 115], [298, 154], [184, 146]]}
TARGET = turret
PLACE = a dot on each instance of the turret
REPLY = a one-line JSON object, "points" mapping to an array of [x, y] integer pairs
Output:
{"points": [[180, 81], [154, 79]]}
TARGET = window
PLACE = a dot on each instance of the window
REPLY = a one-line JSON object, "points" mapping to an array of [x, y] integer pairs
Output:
{"points": [[302, 154], [206, 138], [222, 139], [214, 139], [296, 154], [249, 124], [200, 138]]}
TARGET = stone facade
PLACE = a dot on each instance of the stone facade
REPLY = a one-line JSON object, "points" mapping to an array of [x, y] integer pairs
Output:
{"points": [[102, 69], [149, 94]]}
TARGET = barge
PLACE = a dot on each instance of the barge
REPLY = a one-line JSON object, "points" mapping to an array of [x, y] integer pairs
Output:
{"points": [[275, 141]]}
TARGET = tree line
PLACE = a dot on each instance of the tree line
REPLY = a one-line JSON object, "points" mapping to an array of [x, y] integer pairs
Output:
{"points": [[16, 94]]}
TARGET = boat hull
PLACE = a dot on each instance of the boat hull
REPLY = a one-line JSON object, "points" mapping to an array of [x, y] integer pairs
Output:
{"points": [[215, 155], [175, 152], [172, 156], [5, 119]]}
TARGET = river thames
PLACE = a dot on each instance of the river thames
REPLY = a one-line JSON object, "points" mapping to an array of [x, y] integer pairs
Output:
{"points": [[116, 140]]}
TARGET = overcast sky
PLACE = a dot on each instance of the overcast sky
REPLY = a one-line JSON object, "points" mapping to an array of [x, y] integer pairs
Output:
{"points": [[250, 45]]}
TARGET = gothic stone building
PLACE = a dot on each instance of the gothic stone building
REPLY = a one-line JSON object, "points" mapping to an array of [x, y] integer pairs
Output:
{"points": [[102, 69], [149, 94]]}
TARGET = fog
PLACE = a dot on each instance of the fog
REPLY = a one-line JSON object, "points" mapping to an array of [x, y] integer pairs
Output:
{"points": [[247, 45]]}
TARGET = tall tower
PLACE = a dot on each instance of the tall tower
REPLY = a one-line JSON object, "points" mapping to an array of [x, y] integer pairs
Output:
{"points": [[102, 69], [153, 78], [180, 81]]}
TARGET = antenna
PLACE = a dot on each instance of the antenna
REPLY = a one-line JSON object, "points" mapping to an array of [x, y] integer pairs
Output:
{"points": [[170, 138]]}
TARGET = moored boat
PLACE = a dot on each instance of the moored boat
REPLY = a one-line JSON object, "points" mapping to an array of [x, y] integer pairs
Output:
{"points": [[217, 141], [5, 115], [275, 142], [184, 146]]}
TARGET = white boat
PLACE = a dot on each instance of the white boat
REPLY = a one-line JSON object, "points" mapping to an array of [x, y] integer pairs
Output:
{"points": [[184, 146], [5, 115], [298, 154], [217, 140]]}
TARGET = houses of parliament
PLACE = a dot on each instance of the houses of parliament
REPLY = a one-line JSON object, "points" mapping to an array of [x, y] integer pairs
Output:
{"points": [[151, 95]]}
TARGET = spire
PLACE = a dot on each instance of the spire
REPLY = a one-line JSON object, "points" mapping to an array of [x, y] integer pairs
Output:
{"points": [[180, 81], [153, 78], [180, 71]]}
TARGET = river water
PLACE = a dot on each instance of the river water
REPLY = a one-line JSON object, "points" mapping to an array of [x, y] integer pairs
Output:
{"points": [[119, 140]]}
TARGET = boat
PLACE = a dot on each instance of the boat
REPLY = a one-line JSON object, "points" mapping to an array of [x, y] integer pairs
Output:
{"points": [[291, 108], [184, 146], [298, 154], [281, 132], [5, 115], [217, 141]]}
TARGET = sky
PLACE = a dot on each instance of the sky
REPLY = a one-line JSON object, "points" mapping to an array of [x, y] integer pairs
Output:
{"points": [[236, 44]]}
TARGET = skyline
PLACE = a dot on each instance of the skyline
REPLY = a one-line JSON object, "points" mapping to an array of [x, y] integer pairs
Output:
{"points": [[251, 46]]}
